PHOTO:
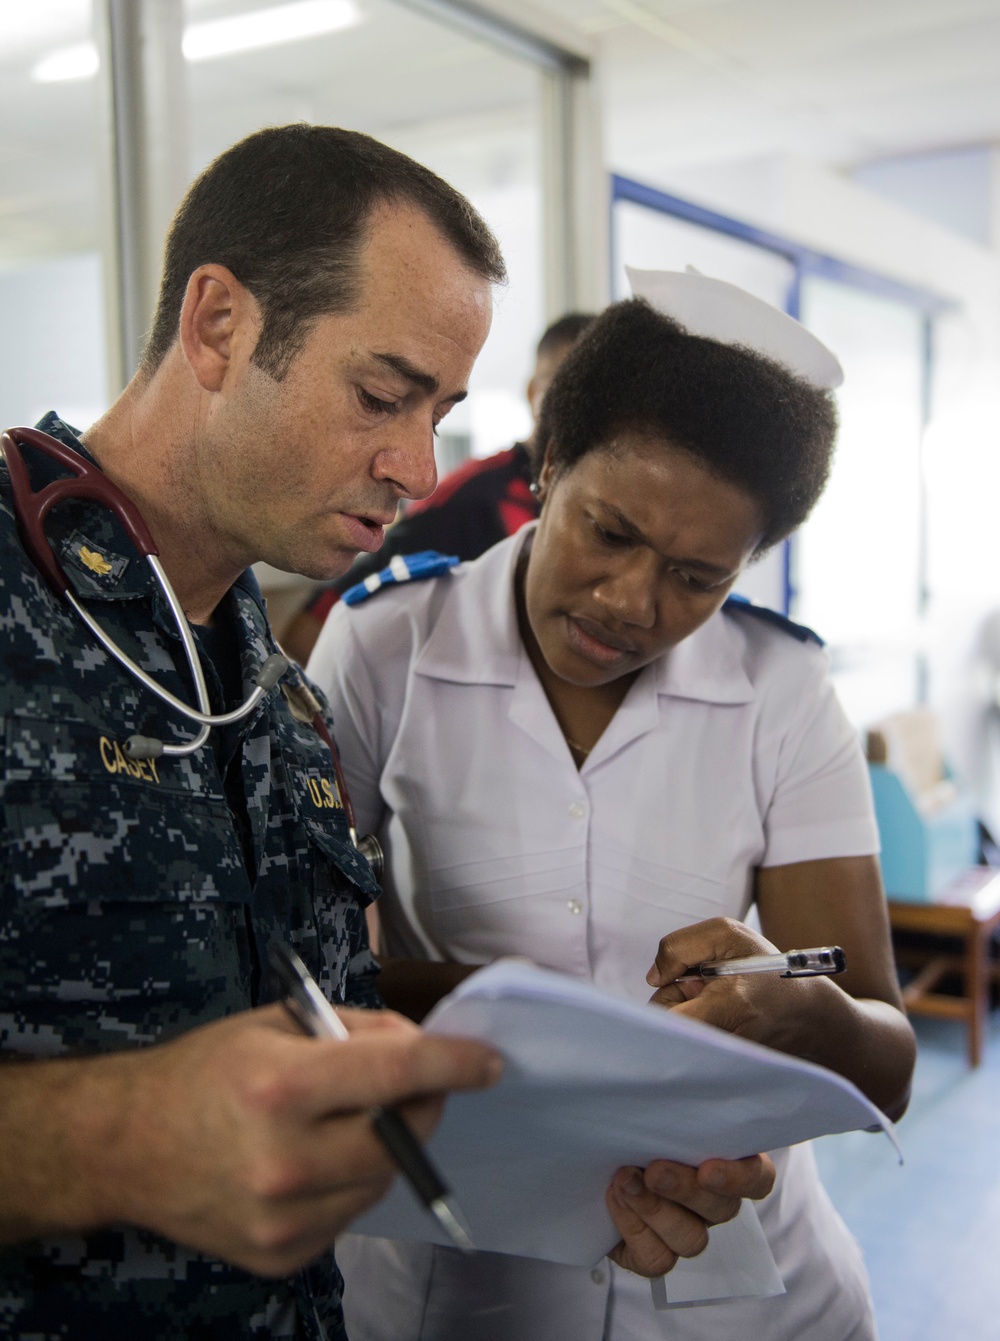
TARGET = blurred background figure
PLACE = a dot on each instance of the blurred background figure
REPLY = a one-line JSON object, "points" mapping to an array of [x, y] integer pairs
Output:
{"points": [[473, 507]]}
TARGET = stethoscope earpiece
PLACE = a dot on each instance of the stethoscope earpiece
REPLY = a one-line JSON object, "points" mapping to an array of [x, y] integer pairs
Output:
{"points": [[148, 747]]}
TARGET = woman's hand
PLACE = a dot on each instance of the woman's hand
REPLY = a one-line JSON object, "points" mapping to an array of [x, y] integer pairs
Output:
{"points": [[666, 1210], [853, 1024], [761, 1006]]}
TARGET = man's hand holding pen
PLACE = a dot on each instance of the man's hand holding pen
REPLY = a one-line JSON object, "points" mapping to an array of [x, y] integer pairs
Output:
{"points": [[242, 1138], [305, 1160]]}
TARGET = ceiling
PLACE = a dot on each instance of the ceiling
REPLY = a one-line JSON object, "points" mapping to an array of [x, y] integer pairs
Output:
{"points": [[692, 81], [684, 82]]}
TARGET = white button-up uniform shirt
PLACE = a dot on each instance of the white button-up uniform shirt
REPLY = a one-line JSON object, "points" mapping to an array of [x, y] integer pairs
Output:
{"points": [[729, 753]]}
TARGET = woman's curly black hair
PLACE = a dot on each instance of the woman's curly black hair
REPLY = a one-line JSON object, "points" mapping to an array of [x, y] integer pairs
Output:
{"points": [[749, 420]]}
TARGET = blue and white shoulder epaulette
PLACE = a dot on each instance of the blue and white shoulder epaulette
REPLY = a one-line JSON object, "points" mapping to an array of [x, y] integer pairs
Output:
{"points": [[401, 568], [742, 605]]}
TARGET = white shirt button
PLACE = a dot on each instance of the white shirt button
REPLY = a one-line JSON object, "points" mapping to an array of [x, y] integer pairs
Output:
{"points": [[575, 906], [578, 810], [597, 1276]]}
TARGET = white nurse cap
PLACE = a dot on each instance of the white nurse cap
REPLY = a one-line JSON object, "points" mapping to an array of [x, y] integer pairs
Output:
{"points": [[719, 311]]}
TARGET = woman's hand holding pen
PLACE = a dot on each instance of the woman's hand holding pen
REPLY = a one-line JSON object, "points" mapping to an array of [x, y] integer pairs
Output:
{"points": [[766, 1008], [853, 1024]]}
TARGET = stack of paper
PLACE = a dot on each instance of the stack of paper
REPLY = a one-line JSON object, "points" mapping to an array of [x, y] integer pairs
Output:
{"points": [[593, 1082]]}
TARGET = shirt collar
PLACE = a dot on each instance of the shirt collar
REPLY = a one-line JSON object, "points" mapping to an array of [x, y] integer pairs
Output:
{"points": [[94, 550], [476, 639], [87, 539], [257, 641]]}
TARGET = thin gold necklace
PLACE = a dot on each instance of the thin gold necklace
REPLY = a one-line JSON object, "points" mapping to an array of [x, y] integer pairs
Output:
{"points": [[580, 749]]}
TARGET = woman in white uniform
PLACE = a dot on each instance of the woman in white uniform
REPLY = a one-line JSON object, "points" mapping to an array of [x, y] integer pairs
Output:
{"points": [[574, 749]]}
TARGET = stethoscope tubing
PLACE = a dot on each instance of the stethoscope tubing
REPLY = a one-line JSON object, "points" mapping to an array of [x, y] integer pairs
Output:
{"points": [[31, 507], [201, 714], [91, 482], [139, 747]]}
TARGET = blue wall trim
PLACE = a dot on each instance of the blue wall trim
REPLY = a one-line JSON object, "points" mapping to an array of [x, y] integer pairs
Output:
{"points": [[805, 259]]}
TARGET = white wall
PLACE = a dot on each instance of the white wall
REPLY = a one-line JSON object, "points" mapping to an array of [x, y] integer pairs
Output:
{"points": [[953, 187]]}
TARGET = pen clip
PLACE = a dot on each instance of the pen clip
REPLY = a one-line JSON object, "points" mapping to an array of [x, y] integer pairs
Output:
{"points": [[823, 962]]}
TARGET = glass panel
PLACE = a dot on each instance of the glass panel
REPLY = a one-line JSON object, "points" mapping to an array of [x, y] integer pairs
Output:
{"points": [[650, 240], [857, 558], [466, 111], [52, 343]]}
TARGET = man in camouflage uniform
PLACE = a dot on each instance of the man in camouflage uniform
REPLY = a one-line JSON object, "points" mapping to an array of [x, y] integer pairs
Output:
{"points": [[323, 301]]}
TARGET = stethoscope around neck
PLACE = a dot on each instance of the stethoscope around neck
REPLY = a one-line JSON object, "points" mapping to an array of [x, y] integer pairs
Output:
{"points": [[31, 507]]}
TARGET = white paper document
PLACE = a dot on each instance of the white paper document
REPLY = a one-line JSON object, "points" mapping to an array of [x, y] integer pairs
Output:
{"points": [[591, 1083]]}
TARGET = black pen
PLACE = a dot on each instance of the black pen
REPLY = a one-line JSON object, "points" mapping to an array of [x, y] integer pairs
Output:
{"points": [[824, 961], [311, 1010]]}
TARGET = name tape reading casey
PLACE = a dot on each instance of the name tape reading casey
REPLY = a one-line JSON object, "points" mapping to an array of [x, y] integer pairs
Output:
{"points": [[115, 760], [322, 791]]}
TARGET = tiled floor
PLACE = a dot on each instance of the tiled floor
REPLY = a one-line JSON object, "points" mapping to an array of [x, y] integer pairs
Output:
{"points": [[931, 1229]]}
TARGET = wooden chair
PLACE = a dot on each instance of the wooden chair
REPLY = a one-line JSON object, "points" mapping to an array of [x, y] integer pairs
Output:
{"points": [[969, 912]]}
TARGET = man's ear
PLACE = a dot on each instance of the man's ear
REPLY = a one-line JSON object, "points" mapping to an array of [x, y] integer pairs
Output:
{"points": [[219, 325]]}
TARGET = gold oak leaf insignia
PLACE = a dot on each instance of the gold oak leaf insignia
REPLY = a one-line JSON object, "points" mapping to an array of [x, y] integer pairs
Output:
{"points": [[97, 563]]}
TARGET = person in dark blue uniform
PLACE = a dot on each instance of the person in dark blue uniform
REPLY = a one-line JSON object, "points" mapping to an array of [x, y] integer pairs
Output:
{"points": [[174, 1164]]}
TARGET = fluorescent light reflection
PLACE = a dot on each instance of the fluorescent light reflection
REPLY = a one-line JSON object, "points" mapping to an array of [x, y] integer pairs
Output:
{"points": [[268, 27], [219, 37], [76, 62]]}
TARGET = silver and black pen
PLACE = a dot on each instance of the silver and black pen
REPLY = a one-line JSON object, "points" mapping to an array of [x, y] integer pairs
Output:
{"points": [[824, 961], [311, 1010]]}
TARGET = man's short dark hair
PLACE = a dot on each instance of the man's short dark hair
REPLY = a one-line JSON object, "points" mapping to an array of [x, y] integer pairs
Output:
{"points": [[563, 332], [747, 419], [287, 211]]}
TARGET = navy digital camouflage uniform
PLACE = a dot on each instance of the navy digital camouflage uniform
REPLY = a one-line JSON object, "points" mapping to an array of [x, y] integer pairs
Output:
{"points": [[131, 911]]}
